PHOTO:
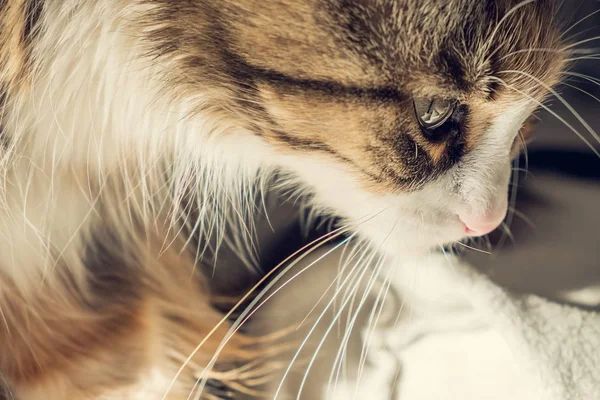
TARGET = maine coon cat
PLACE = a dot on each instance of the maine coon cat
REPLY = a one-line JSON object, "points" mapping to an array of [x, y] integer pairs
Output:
{"points": [[136, 135]]}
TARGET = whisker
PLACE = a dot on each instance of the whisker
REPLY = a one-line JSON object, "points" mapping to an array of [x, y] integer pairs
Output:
{"points": [[526, 153], [238, 322], [579, 22], [311, 247], [503, 19], [570, 46], [584, 77], [366, 293], [553, 113], [350, 294], [585, 51], [506, 233], [524, 218], [362, 301], [335, 281], [523, 170], [350, 326], [472, 248], [359, 248], [379, 303], [340, 358], [490, 40], [531, 50], [586, 57], [582, 91], [309, 334], [342, 243], [560, 98]]}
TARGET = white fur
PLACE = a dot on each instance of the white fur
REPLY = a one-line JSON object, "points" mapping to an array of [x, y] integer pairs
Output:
{"points": [[98, 124], [414, 223], [97, 130], [92, 142]]}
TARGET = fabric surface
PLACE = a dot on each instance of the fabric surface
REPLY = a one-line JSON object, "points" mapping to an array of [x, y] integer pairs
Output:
{"points": [[476, 340]]}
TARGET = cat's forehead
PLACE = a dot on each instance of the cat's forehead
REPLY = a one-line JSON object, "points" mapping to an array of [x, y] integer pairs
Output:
{"points": [[450, 46]]}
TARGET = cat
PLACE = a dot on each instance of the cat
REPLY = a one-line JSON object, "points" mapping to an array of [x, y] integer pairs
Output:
{"points": [[137, 136]]}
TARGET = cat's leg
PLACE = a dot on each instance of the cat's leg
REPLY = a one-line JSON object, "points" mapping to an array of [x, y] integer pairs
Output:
{"points": [[427, 303]]}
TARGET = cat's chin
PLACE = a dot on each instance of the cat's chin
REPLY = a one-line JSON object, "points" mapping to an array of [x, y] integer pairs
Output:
{"points": [[407, 249], [404, 236]]}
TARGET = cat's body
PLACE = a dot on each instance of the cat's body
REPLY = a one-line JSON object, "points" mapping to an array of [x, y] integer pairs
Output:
{"points": [[129, 126]]}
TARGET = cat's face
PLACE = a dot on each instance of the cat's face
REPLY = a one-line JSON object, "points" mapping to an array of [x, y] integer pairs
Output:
{"points": [[404, 113]]}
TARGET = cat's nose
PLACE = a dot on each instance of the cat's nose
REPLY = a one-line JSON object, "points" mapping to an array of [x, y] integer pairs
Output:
{"points": [[479, 225]]}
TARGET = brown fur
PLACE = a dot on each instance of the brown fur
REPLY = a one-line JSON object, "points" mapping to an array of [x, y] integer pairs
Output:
{"points": [[300, 69], [66, 343], [333, 77], [12, 49], [18, 20]]}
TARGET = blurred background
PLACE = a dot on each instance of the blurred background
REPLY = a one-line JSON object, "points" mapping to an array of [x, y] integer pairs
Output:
{"points": [[553, 248]]}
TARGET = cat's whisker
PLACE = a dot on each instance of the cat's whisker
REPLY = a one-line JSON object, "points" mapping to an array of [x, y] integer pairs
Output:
{"points": [[336, 281], [582, 91], [352, 316], [530, 50], [362, 271], [523, 217], [583, 76], [250, 311], [561, 99], [553, 113], [591, 14], [487, 243], [587, 57], [587, 40], [472, 248], [350, 325], [506, 233], [526, 154], [296, 275], [339, 360], [357, 248], [511, 204], [373, 321], [349, 328], [354, 289], [296, 257], [308, 248], [592, 51], [515, 8]]}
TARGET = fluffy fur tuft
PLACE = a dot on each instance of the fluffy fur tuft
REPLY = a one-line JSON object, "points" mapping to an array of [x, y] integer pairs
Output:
{"points": [[139, 135]]}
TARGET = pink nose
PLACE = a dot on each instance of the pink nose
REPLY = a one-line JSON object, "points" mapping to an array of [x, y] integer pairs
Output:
{"points": [[483, 224]]}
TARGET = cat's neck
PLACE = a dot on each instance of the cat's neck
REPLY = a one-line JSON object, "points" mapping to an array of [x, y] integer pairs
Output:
{"points": [[94, 139]]}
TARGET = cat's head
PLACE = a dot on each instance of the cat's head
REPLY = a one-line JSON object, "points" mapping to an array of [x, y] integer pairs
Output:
{"points": [[402, 115]]}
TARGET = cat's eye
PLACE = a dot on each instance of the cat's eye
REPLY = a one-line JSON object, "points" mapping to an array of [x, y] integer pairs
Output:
{"points": [[433, 113]]}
